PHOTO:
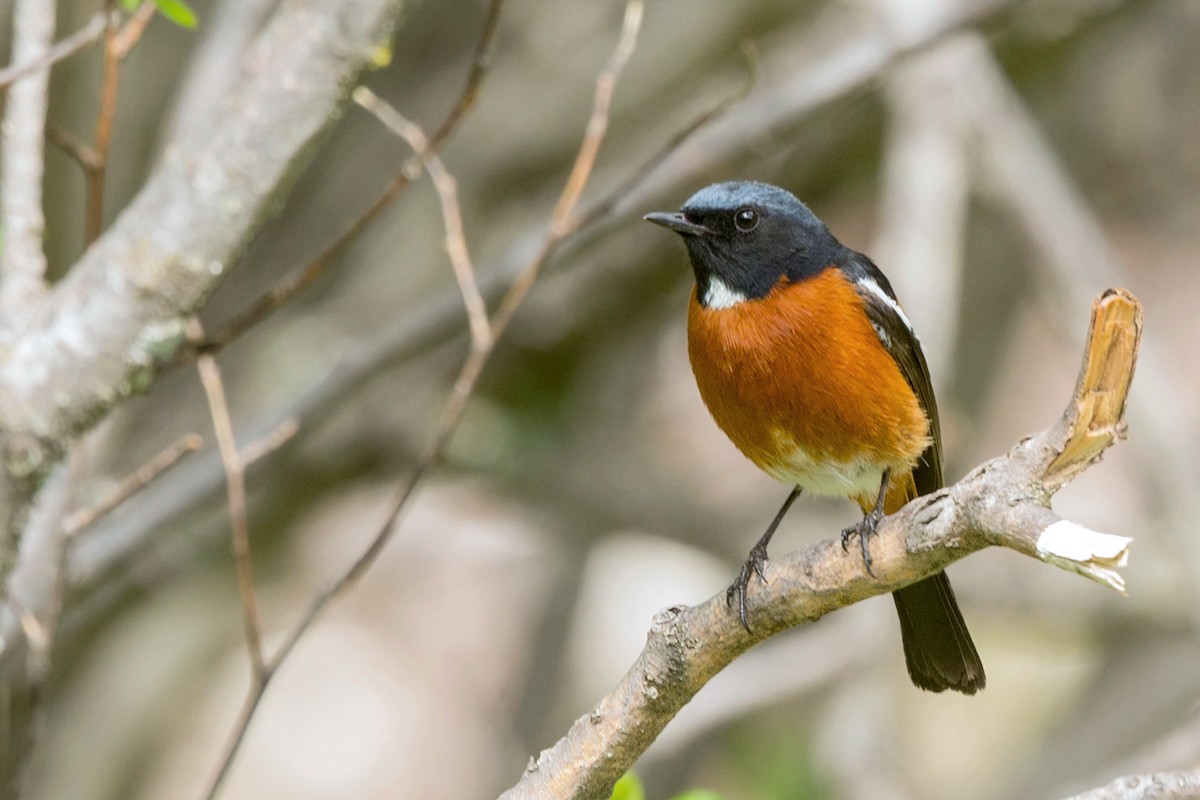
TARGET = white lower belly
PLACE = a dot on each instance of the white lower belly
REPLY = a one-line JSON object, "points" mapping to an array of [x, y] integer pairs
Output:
{"points": [[830, 478]]}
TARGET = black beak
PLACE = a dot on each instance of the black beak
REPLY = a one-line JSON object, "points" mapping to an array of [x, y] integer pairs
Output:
{"points": [[677, 222]]}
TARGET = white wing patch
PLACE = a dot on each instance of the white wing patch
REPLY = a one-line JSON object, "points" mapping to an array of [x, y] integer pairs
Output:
{"points": [[873, 287], [719, 295]]}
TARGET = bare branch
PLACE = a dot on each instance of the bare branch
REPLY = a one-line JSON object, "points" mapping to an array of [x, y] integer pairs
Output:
{"points": [[598, 123], [22, 263], [564, 222], [212, 69], [1182, 785], [127, 37], [561, 225], [120, 311], [447, 189], [117, 44], [1022, 169], [1003, 502], [82, 152], [272, 441], [297, 281], [235, 488], [608, 201], [142, 477], [34, 595], [63, 49], [925, 185]]}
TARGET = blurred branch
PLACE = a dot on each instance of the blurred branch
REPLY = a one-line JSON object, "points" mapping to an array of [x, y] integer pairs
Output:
{"points": [[63, 49], [1182, 785], [1024, 171], [1004, 502], [33, 595], [447, 190], [22, 262], [117, 44], [212, 68], [119, 313], [235, 490], [925, 183], [562, 224], [37, 585], [142, 477], [297, 281]]}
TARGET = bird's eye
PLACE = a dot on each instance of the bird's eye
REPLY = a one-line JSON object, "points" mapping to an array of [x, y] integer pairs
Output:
{"points": [[746, 219]]}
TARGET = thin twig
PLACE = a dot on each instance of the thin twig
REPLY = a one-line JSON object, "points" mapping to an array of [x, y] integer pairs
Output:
{"points": [[274, 440], [93, 158], [235, 484], [117, 44], [131, 484], [125, 39], [608, 201], [300, 279], [23, 263], [83, 153], [562, 224], [447, 189], [63, 49]]}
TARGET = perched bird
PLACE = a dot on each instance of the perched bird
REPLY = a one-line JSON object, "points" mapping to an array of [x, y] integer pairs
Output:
{"points": [[807, 362]]}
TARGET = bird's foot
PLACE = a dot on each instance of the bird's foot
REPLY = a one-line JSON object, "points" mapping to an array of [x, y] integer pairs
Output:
{"points": [[864, 529], [737, 591]]}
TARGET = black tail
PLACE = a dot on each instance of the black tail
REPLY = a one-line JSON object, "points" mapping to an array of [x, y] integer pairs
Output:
{"points": [[937, 645]]}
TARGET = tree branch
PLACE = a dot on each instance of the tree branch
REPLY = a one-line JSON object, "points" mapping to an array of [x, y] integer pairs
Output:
{"points": [[1004, 502], [1182, 785], [562, 224], [22, 263], [235, 491], [447, 189], [64, 48], [301, 278], [120, 312]]}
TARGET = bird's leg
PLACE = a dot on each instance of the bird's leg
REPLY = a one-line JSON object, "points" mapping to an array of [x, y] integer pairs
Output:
{"points": [[754, 563], [865, 528]]}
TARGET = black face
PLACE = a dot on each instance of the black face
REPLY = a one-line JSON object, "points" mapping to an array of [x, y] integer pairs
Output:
{"points": [[750, 235]]}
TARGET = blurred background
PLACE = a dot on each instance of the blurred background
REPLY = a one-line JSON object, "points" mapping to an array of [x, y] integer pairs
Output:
{"points": [[1001, 175]]}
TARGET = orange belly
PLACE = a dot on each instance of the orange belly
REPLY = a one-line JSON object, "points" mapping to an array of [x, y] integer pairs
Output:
{"points": [[800, 382]]}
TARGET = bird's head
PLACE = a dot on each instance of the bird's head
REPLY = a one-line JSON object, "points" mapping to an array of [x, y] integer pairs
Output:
{"points": [[744, 237]]}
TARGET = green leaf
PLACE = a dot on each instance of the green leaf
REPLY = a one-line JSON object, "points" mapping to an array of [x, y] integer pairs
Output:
{"points": [[628, 788], [697, 794], [130, 5], [178, 12]]}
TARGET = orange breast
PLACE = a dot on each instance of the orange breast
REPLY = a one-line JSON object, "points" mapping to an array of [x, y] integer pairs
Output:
{"points": [[802, 385]]}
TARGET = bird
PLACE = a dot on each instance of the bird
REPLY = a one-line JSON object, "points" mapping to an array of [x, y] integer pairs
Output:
{"points": [[808, 363]]}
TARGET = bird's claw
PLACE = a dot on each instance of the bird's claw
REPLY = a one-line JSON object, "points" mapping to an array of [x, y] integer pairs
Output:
{"points": [[864, 529], [753, 565]]}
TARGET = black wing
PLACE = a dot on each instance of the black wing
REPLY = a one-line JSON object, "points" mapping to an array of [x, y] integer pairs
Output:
{"points": [[937, 644], [898, 338]]}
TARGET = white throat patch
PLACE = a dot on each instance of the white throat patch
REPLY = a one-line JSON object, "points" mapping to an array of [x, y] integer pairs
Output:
{"points": [[720, 296]]}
